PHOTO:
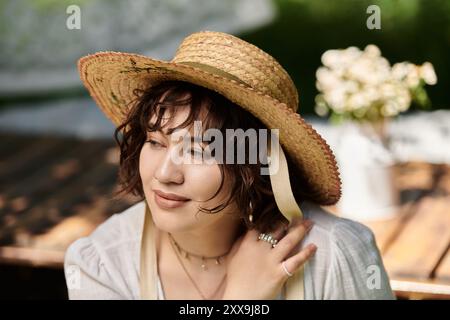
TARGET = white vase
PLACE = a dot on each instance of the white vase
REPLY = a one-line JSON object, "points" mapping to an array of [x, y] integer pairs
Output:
{"points": [[365, 165]]}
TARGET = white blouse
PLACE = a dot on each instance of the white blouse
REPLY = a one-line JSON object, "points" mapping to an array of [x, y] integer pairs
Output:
{"points": [[346, 265]]}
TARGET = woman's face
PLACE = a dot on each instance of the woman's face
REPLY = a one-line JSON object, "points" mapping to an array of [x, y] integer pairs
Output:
{"points": [[197, 182]]}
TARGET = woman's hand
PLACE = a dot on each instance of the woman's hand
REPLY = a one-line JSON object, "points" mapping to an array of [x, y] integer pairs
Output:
{"points": [[254, 268]]}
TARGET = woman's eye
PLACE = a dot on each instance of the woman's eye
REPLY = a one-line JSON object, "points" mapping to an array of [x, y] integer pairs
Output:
{"points": [[154, 143]]}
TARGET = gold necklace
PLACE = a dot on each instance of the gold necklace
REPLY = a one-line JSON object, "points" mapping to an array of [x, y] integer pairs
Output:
{"points": [[187, 254], [175, 248]]}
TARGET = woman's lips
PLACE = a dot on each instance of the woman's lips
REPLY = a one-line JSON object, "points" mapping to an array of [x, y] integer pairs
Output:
{"points": [[169, 201], [170, 196]]}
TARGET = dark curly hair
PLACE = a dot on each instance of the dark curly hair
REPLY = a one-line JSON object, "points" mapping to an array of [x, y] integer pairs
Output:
{"points": [[248, 185]]}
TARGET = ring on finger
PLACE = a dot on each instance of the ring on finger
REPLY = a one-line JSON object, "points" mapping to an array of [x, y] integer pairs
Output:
{"points": [[268, 238], [285, 269]]}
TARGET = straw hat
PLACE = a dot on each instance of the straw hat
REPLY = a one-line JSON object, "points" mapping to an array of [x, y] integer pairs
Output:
{"points": [[239, 71]]}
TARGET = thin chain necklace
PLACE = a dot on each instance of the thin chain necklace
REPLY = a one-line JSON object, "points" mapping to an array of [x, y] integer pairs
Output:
{"points": [[187, 254], [176, 249]]}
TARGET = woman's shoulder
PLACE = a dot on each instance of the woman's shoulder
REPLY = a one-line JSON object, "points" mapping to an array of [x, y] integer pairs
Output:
{"points": [[122, 226], [111, 252], [119, 229], [340, 238], [346, 255], [336, 230]]}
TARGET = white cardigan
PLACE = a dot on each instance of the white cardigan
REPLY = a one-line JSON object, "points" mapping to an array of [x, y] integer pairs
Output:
{"points": [[105, 265]]}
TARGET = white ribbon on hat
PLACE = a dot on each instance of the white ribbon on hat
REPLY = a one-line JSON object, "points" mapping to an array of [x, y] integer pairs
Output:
{"points": [[280, 181]]}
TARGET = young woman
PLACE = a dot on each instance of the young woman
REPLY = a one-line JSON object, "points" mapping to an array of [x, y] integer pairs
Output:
{"points": [[218, 229]]}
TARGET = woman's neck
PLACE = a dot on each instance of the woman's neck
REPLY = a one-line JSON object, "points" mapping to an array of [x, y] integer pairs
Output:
{"points": [[212, 241]]}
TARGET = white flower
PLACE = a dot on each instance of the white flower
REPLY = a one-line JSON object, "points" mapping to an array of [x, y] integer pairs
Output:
{"points": [[427, 73], [340, 58], [369, 72], [357, 101], [371, 94], [372, 51], [408, 72], [400, 70], [330, 58], [351, 86], [336, 98], [387, 90], [326, 79], [389, 109], [413, 78], [403, 98], [357, 81]]}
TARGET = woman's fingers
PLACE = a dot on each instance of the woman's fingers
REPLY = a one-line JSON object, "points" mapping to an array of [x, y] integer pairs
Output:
{"points": [[277, 233], [280, 231], [294, 263], [291, 240]]}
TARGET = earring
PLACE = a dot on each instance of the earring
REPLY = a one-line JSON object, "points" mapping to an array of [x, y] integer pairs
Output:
{"points": [[250, 217]]}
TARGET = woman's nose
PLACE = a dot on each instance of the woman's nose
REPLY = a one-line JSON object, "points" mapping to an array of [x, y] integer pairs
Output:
{"points": [[169, 171]]}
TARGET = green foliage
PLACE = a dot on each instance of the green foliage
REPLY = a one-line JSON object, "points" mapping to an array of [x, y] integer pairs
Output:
{"points": [[411, 30]]}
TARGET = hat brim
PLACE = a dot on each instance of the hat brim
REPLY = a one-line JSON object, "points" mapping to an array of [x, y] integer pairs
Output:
{"points": [[112, 77]]}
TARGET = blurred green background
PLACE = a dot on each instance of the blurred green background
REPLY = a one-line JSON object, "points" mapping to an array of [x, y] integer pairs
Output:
{"points": [[411, 30], [302, 30]]}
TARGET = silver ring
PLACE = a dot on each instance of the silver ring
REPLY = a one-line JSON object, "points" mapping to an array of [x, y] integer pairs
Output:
{"points": [[268, 238], [285, 269]]}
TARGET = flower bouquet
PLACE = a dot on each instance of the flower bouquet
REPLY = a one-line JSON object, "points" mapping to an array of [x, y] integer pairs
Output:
{"points": [[360, 91]]}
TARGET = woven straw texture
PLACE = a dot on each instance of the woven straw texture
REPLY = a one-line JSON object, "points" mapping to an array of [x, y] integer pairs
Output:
{"points": [[234, 68]]}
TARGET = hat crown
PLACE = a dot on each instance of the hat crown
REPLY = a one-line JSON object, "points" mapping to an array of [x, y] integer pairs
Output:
{"points": [[240, 61]]}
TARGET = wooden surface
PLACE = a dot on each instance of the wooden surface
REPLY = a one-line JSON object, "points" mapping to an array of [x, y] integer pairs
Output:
{"points": [[415, 243], [56, 190], [52, 192]]}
